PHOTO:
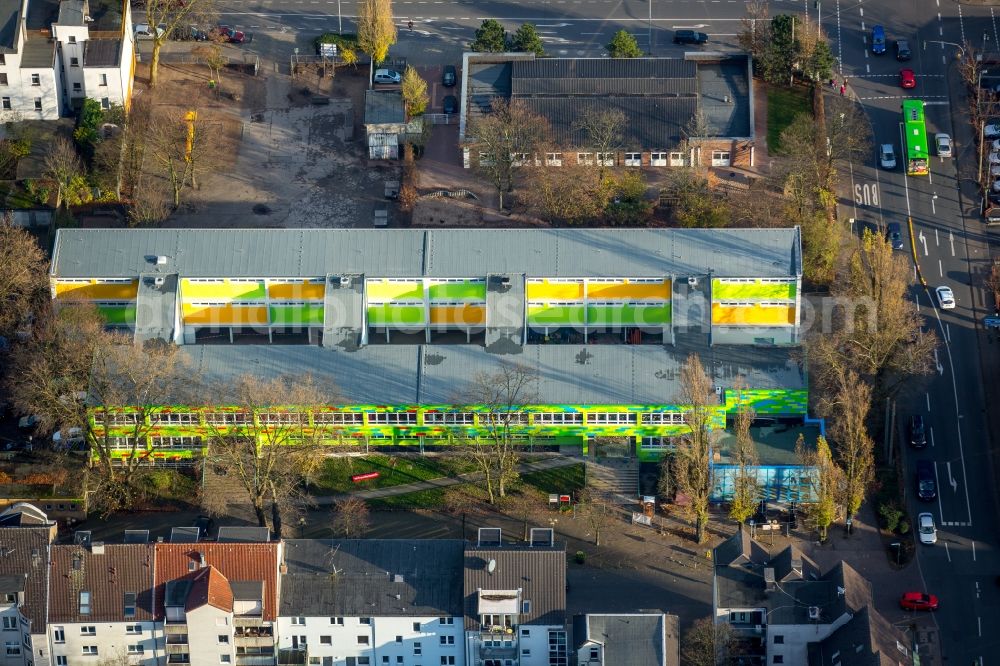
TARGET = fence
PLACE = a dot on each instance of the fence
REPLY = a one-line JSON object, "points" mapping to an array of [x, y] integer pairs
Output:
{"points": [[246, 62], [440, 118]]}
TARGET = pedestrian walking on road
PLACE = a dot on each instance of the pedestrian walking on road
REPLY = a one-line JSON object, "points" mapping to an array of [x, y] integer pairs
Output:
{"points": [[843, 89], [409, 24]]}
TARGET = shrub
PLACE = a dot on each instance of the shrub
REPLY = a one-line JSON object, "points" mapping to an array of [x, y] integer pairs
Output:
{"points": [[580, 557], [904, 526], [891, 516], [160, 479]]}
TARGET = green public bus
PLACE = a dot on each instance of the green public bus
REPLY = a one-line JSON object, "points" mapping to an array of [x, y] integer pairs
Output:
{"points": [[915, 137]]}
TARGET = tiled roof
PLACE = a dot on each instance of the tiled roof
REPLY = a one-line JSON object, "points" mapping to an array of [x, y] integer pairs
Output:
{"points": [[868, 638], [540, 574], [633, 639], [235, 561], [108, 576], [24, 552], [209, 587]]}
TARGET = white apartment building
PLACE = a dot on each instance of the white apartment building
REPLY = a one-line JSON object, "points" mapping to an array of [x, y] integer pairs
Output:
{"points": [[100, 607], [54, 54], [25, 535], [371, 602]]}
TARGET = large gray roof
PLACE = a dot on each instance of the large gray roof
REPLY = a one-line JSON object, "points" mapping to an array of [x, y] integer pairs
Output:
{"points": [[237, 253], [438, 374], [539, 572], [634, 639], [344, 577], [24, 553], [10, 14]]}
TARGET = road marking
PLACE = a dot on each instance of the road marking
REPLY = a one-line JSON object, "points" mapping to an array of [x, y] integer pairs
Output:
{"points": [[947, 337], [932, 437], [974, 559], [979, 623], [940, 368], [923, 241], [940, 268], [951, 240], [961, 24], [954, 485], [946, 550], [927, 395], [937, 241]]}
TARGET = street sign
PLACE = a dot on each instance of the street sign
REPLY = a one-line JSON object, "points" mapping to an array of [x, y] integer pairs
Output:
{"points": [[991, 322]]}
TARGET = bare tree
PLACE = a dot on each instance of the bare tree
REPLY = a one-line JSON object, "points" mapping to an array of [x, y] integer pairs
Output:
{"points": [[73, 367], [503, 395], [523, 506], [167, 18], [746, 487], [265, 450], [826, 481], [707, 643], [166, 143], [503, 140], [596, 510], [62, 166], [214, 58], [376, 31], [692, 459], [604, 133], [572, 193], [756, 28], [847, 410], [23, 279], [350, 517]]}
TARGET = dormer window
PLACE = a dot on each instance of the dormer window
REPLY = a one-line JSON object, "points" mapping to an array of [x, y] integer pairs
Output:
{"points": [[85, 603], [129, 604], [72, 39]]}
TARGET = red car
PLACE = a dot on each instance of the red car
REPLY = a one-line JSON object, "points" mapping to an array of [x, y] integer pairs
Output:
{"points": [[907, 79], [227, 34], [918, 601]]}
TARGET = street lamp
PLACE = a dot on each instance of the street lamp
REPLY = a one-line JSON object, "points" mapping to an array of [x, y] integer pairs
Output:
{"points": [[942, 42]]}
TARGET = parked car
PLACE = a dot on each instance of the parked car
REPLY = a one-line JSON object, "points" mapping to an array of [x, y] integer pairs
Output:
{"points": [[993, 158], [28, 422], [903, 52], [887, 156], [878, 40], [907, 79], [387, 76], [917, 432], [943, 143], [71, 439], [146, 31], [690, 37], [945, 297], [894, 233], [926, 481], [991, 131], [191, 33], [230, 35], [918, 601], [449, 76], [450, 104], [926, 529]]}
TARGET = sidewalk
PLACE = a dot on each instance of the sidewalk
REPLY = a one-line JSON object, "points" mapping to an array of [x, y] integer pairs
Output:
{"points": [[553, 462]]}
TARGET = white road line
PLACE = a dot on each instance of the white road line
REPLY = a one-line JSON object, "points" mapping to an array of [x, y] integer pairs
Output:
{"points": [[928, 396], [979, 623], [937, 241], [947, 334], [932, 437], [940, 268], [974, 557], [996, 35], [947, 551], [951, 240]]}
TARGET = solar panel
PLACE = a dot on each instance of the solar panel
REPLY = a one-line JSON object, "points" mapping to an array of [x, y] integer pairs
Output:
{"points": [[184, 535]]}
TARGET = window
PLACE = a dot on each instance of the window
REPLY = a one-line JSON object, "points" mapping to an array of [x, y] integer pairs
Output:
{"points": [[676, 159], [135, 649], [115, 419], [385, 659], [606, 159], [224, 639], [519, 159], [72, 39], [362, 640], [779, 639], [299, 621], [449, 418], [36, 80], [526, 633], [325, 640], [58, 634], [558, 418], [74, 62], [175, 442], [6, 103], [173, 418], [282, 418], [777, 659], [103, 80], [448, 660], [447, 620], [504, 418], [225, 659], [38, 104], [133, 628], [663, 418], [338, 418], [720, 158], [76, 87], [337, 620], [447, 640], [123, 443], [105, 103], [363, 661], [416, 626], [586, 159], [399, 659], [85, 603], [9, 623], [90, 650], [61, 660], [525, 652], [226, 418], [553, 159], [611, 418], [399, 639], [129, 603], [88, 631], [3, 79], [9, 597], [658, 159], [392, 418], [418, 649], [365, 620], [13, 648], [526, 607], [633, 159]]}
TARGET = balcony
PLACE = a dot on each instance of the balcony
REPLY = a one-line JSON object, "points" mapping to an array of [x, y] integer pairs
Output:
{"points": [[177, 639], [255, 641], [254, 632], [255, 660], [176, 627], [178, 648], [180, 658], [249, 621]]}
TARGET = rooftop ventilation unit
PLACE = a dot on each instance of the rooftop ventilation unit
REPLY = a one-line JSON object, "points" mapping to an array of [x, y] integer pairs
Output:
{"points": [[814, 612], [158, 282], [489, 536], [542, 537], [345, 281], [161, 260]]}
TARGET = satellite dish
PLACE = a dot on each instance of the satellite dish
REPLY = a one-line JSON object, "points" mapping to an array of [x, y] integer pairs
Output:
{"points": [[492, 566]]}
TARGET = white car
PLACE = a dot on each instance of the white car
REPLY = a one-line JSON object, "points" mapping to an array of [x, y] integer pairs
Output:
{"points": [[887, 156], [70, 439], [991, 131], [943, 143], [994, 158], [995, 170], [945, 297], [145, 31], [926, 529], [387, 76]]}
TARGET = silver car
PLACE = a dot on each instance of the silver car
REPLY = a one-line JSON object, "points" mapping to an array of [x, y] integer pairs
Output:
{"points": [[887, 156], [943, 143], [926, 529]]}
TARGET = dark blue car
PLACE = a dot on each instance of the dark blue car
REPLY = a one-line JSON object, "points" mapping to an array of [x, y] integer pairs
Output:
{"points": [[878, 40]]}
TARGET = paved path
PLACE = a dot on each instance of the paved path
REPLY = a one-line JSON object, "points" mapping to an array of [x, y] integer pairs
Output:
{"points": [[553, 462]]}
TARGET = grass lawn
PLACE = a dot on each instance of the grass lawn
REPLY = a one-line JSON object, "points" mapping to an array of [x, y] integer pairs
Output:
{"points": [[559, 480], [335, 476], [783, 104]]}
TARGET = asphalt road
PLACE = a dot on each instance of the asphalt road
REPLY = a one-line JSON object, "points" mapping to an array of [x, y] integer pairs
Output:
{"points": [[952, 249]]}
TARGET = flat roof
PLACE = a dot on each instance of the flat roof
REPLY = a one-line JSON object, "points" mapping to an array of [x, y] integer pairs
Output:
{"points": [[439, 374], [234, 253]]}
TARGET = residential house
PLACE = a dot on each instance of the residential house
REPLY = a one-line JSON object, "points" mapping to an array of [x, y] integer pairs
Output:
{"points": [[695, 110], [53, 54], [25, 535], [868, 639], [515, 602], [371, 602], [778, 605], [218, 602], [626, 639], [100, 605]]}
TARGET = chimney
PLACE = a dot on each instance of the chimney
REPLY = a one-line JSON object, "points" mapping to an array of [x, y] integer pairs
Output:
{"points": [[769, 584], [201, 559], [797, 566], [97, 547]]}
